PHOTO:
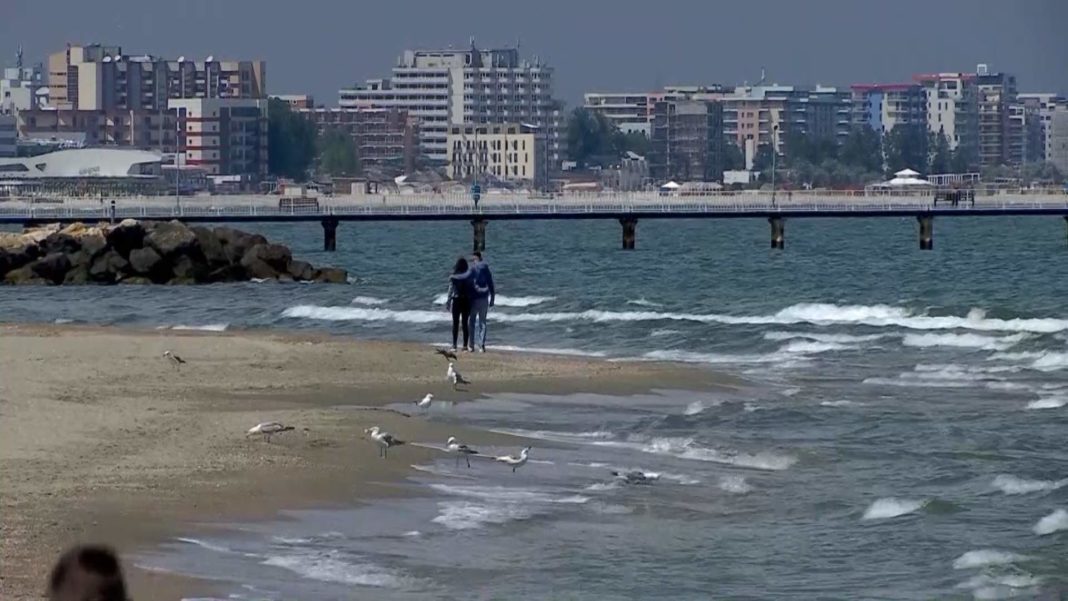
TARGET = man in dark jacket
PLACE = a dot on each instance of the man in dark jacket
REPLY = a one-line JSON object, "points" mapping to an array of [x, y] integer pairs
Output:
{"points": [[484, 298]]}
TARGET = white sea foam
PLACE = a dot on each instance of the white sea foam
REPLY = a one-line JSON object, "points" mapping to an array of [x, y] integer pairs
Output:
{"points": [[1014, 485], [63, 320], [972, 341], [556, 435], [686, 448], [988, 586], [664, 332], [205, 544], [821, 337], [603, 486], [1054, 522], [891, 507], [942, 376], [694, 408], [1050, 402], [1051, 361], [506, 301], [329, 567], [285, 540], [712, 358], [822, 314], [569, 352], [841, 403], [368, 300], [811, 346], [211, 327], [643, 302], [508, 494], [986, 557], [495, 505], [734, 484]]}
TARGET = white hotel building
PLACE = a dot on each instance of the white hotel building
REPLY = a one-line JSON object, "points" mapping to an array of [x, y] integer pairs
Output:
{"points": [[457, 87]]}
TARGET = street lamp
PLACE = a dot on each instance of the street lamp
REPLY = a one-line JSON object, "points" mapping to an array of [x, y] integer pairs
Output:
{"points": [[177, 160], [774, 154]]}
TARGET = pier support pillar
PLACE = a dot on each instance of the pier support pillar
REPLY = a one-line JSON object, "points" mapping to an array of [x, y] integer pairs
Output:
{"points": [[330, 234], [630, 227], [478, 228], [778, 232], [1066, 225], [926, 231]]}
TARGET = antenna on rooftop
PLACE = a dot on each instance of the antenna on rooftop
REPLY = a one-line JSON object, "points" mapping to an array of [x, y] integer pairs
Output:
{"points": [[763, 75], [18, 58]]}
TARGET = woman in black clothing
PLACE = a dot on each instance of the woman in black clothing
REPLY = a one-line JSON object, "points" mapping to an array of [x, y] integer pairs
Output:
{"points": [[459, 299]]}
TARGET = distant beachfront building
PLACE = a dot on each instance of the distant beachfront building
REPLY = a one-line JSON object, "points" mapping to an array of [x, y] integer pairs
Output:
{"points": [[22, 88], [953, 109], [1042, 107], [510, 152], [996, 94], [687, 141], [296, 102], [884, 106], [629, 112], [443, 88], [1058, 142], [8, 136], [223, 136], [383, 137]]}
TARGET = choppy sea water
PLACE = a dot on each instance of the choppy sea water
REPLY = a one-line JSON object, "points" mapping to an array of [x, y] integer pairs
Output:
{"points": [[902, 436]]}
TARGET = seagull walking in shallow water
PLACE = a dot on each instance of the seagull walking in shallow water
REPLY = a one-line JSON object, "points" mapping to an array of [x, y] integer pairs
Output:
{"points": [[455, 377], [174, 360], [384, 440], [513, 461], [424, 403], [453, 446], [268, 429]]}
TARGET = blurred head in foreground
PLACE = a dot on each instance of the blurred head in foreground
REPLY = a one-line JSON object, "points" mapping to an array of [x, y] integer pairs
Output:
{"points": [[87, 573]]}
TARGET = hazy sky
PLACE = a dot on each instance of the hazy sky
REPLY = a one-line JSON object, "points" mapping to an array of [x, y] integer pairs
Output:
{"points": [[318, 46]]}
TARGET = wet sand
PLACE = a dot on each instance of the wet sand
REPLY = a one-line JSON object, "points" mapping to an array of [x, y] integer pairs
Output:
{"points": [[102, 440]]}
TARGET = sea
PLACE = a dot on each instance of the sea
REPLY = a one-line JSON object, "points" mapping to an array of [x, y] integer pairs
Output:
{"points": [[900, 433]]}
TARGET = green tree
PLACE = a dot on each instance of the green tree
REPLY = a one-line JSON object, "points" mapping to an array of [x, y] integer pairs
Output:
{"points": [[862, 148], [906, 148], [762, 159], [592, 139], [337, 154], [290, 141], [964, 158], [941, 155], [634, 141], [732, 157], [1040, 173], [812, 149]]}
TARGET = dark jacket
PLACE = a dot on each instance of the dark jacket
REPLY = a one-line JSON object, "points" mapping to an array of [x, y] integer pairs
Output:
{"points": [[483, 281]]}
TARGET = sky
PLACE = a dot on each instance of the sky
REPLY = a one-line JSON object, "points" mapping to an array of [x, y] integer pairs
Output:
{"points": [[320, 46]]}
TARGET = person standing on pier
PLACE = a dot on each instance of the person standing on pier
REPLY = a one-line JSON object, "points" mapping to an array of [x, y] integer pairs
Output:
{"points": [[484, 297]]}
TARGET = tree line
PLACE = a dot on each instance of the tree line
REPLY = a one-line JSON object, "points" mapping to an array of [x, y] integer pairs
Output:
{"points": [[297, 150]]}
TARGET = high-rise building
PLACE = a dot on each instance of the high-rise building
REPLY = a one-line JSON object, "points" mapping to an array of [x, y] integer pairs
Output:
{"points": [[22, 88], [472, 86], [148, 130], [755, 116], [884, 106], [687, 141], [504, 151], [629, 112], [996, 93], [1043, 107], [383, 137], [223, 136], [953, 110], [8, 135], [97, 77], [1058, 139]]}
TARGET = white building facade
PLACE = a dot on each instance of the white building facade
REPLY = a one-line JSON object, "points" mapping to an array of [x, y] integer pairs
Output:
{"points": [[454, 87], [1044, 106], [223, 136]]}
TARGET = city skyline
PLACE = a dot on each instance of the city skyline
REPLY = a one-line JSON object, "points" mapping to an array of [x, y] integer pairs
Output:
{"points": [[842, 43]]}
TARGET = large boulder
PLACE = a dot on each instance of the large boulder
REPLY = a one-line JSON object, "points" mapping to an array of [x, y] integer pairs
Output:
{"points": [[227, 273], [60, 242], [186, 267], [257, 269], [52, 267], [236, 243], [210, 247], [38, 233], [301, 270], [78, 274], [332, 275], [145, 261], [126, 236], [275, 255], [16, 253], [24, 276], [135, 280], [171, 238], [109, 267], [93, 243]]}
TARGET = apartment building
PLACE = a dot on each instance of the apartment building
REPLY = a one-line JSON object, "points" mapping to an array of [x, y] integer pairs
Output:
{"points": [[223, 136], [8, 136], [884, 106], [754, 116], [22, 88], [629, 112], [952, 106], [1042, 106], [98, 77], [687, 141], [1058, 134], [443, 88], [383, 137], [296, 102], [504, 151], [146, 130], [996, 93]]}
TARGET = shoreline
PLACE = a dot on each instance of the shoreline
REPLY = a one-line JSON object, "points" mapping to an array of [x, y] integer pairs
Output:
{"points": [[118, 447]]}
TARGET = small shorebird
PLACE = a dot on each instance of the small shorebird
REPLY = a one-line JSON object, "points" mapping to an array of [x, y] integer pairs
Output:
{"points": [[268, 429], [384, 440], [175, 360], [512, 460], [452, 446], [424, 403], [636, 477], [444, 352], [455, 377]]}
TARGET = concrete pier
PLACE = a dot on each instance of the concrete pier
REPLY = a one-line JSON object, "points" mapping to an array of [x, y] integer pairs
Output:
{"points": [[330, 233], [478, 228], [630, 227], [778, 232], [926, 231]]}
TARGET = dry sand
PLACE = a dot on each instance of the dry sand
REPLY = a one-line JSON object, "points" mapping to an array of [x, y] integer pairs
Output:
{"points": [[101, 440]]}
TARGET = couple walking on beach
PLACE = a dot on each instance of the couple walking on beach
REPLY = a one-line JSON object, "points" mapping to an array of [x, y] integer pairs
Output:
{"points": [[471, 294]]}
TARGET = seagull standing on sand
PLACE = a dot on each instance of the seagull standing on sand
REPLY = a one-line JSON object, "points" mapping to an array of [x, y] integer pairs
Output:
{"points": [[384, 440], [175, 360], [444, 352], [455, 377], [452, 446], [425, 402], [267, 429], [512, 460]]}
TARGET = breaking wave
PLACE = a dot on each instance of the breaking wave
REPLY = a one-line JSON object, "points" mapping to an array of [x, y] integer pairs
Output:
{"points": [[891, 507], [210, 327], [1054, 522], [686, 448], [734, 484], [972, 341], [368, 300], [329, 567], [986, 557], [1013, 485], [506, 301]]}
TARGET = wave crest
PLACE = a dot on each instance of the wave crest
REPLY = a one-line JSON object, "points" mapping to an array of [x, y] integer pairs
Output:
{"points": [[891, 507]]}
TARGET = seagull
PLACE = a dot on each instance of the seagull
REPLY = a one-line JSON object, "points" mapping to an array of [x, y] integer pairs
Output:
{"points": [[451, 446], [450, 355], [383, 439], [636, 477], [268, 429], [175, 360], [512, 460], [424, 403], [455, 377]]}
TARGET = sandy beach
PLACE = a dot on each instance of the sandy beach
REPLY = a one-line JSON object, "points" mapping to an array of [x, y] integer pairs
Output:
{"points": [[102, 440]]}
